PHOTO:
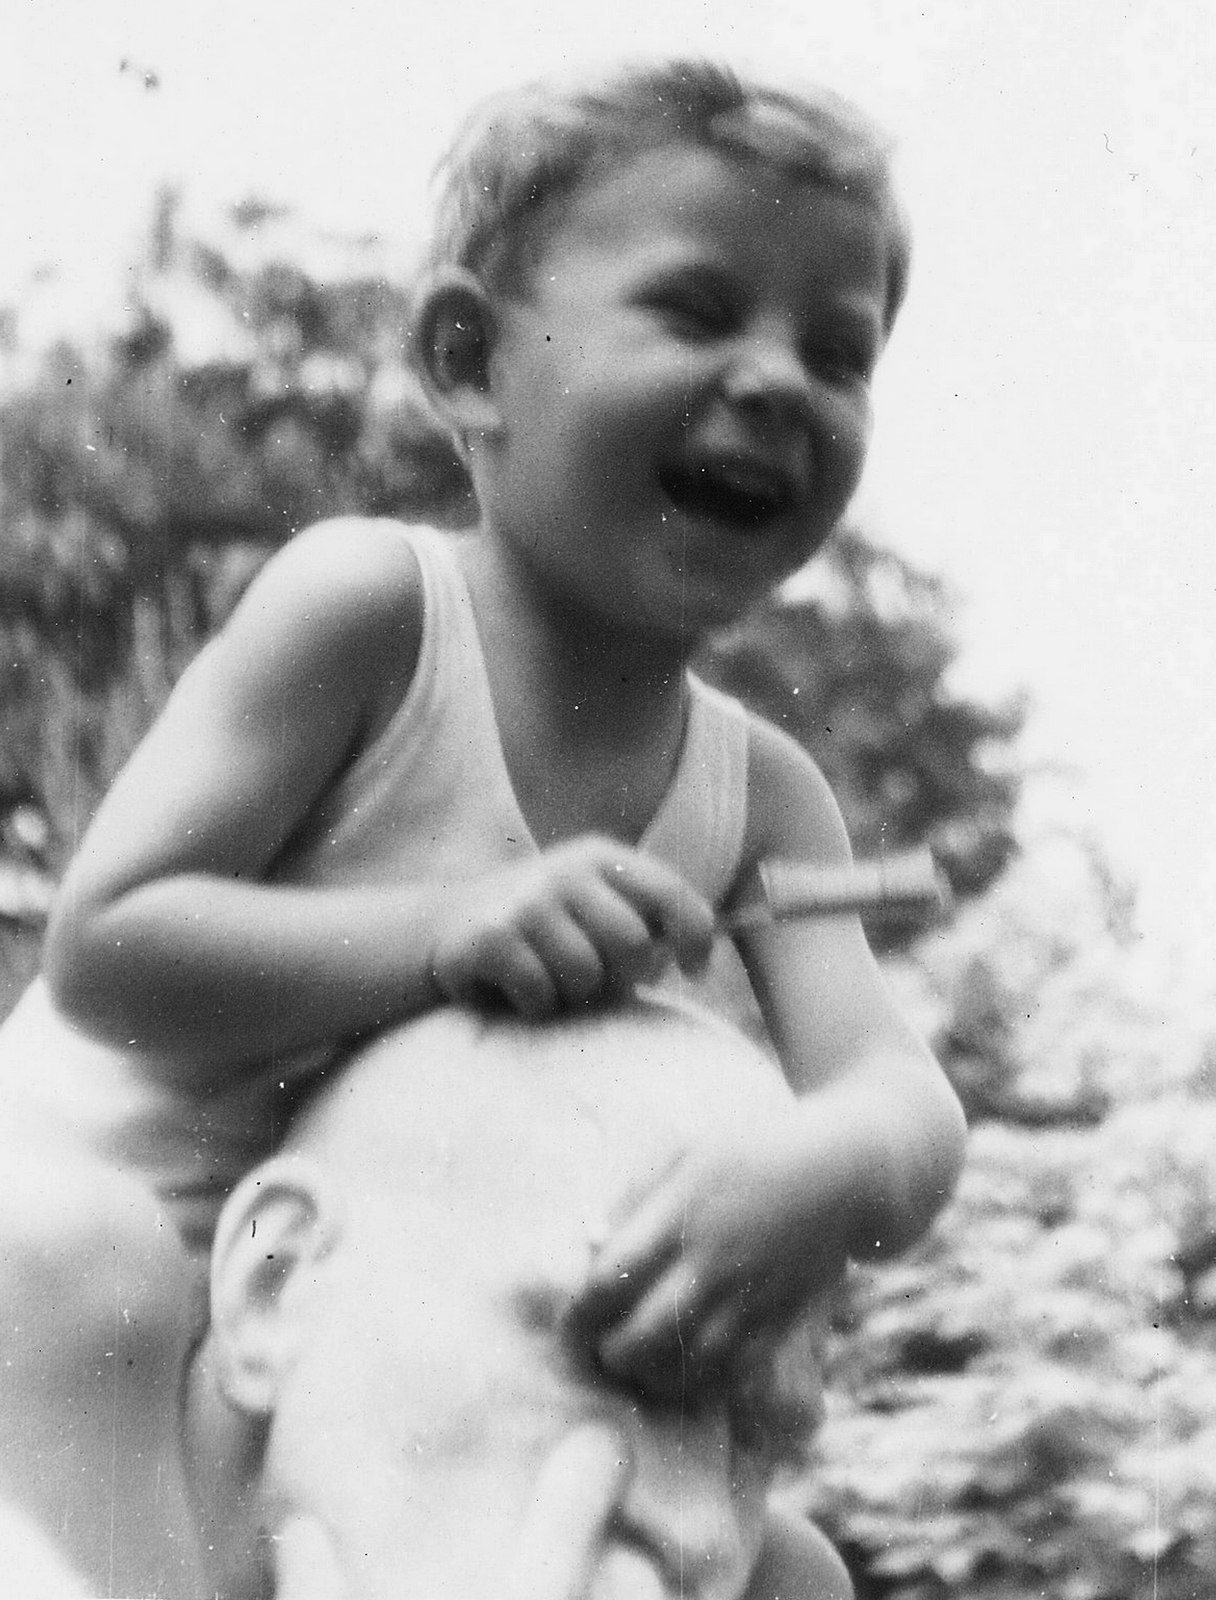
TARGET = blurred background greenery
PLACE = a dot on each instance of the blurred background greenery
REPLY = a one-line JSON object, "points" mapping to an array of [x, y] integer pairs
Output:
{"points": [[1026, 1406]]}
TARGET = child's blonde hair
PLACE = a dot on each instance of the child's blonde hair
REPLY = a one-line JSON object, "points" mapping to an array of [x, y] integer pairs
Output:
{"points": [[520, 154]]}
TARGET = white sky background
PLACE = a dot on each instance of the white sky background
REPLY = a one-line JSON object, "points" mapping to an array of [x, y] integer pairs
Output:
{"points": [[1046, 435]]}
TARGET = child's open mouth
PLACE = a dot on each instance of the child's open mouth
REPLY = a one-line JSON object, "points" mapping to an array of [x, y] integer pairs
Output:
{"points": [[743, 495]]}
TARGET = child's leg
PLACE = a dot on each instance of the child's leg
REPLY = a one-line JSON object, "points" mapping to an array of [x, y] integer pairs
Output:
{"points": [[798, 1563], [97, 1300]]}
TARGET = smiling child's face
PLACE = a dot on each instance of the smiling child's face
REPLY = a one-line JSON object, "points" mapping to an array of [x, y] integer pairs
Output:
{"points": [[684, 387]]}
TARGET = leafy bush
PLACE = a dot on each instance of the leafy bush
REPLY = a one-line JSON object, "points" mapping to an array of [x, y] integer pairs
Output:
{"points": [[1026, 1406]]}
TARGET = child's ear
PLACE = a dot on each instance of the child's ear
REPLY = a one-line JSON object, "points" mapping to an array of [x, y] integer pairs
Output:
{"points": [[453, 329], [275, 1231]]}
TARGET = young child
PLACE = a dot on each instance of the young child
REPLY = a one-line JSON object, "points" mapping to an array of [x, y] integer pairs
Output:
{"points": [[414, 769]]}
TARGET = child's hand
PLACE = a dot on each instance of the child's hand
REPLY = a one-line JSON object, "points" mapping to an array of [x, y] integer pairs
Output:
{"points": [[711, 1265], [579, 921]]}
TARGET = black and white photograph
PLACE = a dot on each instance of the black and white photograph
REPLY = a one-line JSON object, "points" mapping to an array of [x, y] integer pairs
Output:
{"points": [[607, 800]]}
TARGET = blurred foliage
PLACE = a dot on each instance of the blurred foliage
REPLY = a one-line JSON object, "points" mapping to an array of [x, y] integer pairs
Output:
{"points": [[856, 668], [144, 478], [1024, 1407]]}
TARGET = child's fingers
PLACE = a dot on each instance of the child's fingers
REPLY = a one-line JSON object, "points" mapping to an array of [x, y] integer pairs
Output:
{"points": [[506, 966], [672, 910], [580, 1488], [570, 956], [654, 1343], [642, 1246], [717, 1341], [676, 1356], [611, 1294], [626, 943]]}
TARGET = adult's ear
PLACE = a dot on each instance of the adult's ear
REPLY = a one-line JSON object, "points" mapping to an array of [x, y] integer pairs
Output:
{"points": [[274, 1233], [454, 330]]}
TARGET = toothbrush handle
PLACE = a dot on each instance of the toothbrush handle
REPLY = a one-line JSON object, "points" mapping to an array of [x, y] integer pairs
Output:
{"points": [[904, 884]]}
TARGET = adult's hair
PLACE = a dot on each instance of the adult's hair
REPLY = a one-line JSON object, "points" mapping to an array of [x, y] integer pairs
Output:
{"points": [[521, 154]]}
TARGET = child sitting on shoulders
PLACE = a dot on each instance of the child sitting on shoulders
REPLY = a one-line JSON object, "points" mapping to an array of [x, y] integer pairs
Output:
{"points": [[415, 769]]}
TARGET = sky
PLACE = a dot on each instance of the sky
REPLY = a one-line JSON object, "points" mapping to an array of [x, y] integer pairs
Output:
{"points": [[1046, 437]]}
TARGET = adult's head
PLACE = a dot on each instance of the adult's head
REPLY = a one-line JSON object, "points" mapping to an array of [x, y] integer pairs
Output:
{"points": [[391, 1366]]}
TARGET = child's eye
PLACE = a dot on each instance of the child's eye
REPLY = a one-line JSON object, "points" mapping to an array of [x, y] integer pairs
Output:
{"points": [[842, 361], [693, 312]]}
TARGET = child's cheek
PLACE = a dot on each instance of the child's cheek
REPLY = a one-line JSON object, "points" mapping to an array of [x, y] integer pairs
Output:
{"points": [[843, 454]]}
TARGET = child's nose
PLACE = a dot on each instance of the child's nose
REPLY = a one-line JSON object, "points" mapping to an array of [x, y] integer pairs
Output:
{"points": [[770, 374]]}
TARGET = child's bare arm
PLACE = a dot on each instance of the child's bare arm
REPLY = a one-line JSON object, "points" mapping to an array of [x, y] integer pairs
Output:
{"points": [[849, 1054], [166, 934], [735, 1239]]}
